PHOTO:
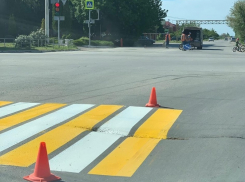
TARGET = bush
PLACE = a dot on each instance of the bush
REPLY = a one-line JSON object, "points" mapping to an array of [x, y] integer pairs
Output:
{"points": [[82, 41], [85, 41], [160, 37], [23, 41], [53, 39], [71, 35], [66, 36], [39, 34], [38, 37], [102, 43]]}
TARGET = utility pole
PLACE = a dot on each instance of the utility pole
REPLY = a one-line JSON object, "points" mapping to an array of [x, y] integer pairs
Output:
{"points": [[100, 31], [59, 30], [89, 27], [47, 18], [89, 4]]}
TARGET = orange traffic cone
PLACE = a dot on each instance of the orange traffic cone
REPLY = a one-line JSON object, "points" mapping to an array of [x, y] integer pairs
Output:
{"points": [[153, 99], [42, 171]]}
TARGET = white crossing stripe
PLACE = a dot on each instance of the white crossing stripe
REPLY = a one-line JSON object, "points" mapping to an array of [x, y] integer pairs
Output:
{"points": [[18, 134], [82, 153], [9, 109], [124, 121]]}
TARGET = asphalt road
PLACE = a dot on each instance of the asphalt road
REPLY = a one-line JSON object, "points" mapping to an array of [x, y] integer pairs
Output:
{"points": [[206, 142]]}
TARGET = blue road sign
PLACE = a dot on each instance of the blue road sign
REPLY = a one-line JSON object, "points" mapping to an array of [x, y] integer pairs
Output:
{"points": [[89, 4]]}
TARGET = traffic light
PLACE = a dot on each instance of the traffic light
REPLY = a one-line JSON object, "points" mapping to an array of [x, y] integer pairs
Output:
{"points": [[57, 9]]}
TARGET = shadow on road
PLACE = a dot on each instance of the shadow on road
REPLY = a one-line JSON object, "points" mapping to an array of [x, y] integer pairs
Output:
{"points": [[206, 46], [161, 46], [205, 49], [165, 107], [15, 50], [151, 46], [219, 46]]}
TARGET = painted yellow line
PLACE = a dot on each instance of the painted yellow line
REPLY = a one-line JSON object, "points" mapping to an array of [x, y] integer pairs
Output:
{"points": [[158, 125], [26, 154], [3, 103], [27, 115], [94, 116], [126, 158]]}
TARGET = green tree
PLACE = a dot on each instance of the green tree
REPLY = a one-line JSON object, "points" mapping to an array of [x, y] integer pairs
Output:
{"points": [[78, 9], [119, 18], [214, 34], [67, 24], [131, 19], [210, 33], [43, 24], [12, 29], [236, 18], [27, 15], [54, 22], [223, 35]]}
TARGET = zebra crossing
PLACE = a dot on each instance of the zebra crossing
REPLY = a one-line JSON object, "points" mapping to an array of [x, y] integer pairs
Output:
{"points": [[88, 129]]}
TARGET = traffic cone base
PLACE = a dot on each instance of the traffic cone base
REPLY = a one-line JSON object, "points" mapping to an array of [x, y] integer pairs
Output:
{"points": [[153, 99], [42, 171], [152, 105], [33, 178]]}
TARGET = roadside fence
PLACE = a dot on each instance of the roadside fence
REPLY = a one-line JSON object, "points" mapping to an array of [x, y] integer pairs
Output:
{"points": [[32, 43]]}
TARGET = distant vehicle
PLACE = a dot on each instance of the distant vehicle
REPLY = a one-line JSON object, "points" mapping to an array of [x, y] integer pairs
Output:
{"points": [[233, 39], [144, 40], [211, 39], [196, 35]]}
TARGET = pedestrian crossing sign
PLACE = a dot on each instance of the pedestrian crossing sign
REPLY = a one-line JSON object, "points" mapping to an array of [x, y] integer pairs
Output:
{"points": [[89, 4]]}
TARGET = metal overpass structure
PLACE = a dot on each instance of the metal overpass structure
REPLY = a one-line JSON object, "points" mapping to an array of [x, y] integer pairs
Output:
{"points": [[201, 22]]}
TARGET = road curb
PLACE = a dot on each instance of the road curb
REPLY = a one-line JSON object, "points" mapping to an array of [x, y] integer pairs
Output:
{"points": [[96, 47], [36, 51]]}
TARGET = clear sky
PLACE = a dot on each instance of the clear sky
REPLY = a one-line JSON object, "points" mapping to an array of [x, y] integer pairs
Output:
{"points": [[200, 10]]}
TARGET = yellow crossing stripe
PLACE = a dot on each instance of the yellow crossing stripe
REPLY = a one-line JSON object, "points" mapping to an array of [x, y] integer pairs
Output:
{"points": [[3, 103], [158, 125], [27, 115], [126, 158], [26, 154], [129, 155], [93, 117]]}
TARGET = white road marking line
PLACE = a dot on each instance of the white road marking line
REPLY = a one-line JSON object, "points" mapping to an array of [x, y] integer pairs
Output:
{"points": [[9, 109], [124, 121], [82, 153], [18, 134]]}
